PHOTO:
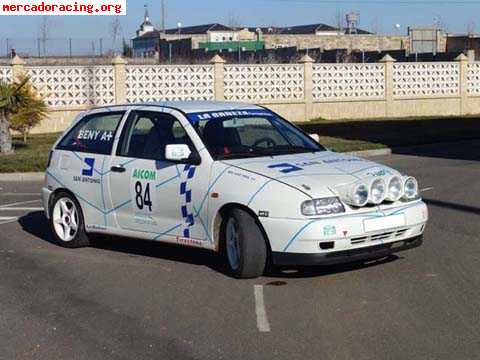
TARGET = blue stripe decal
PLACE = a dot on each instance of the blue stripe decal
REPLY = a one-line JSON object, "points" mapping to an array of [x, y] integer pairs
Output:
{"points": [[258, 191], [204, 227], [167, 232], [297, 234], [76, 194], [103, 195], [118, 207], [202, 203], [167, 181]]}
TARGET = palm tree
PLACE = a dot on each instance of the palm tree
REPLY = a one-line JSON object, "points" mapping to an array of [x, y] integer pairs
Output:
{"points": [[33, 111], [12, 100]]}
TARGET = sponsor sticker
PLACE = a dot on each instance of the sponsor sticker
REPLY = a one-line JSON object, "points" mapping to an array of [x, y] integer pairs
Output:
{"points": [[142, 190], [87, 173], [189, 242], [381, 172], [196, 117], [329, 230]]}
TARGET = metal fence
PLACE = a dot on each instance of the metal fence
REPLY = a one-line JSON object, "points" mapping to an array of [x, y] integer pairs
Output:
{"points": [[67, 47]]}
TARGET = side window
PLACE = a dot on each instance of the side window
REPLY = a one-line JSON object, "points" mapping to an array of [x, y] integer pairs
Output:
{"points": [[93, 134], [148, 133]]}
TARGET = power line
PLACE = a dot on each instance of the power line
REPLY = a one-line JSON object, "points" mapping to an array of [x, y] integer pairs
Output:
{"points": [[383, 2]]}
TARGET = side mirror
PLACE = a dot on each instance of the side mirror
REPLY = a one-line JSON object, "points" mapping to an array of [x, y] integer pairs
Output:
{"points": [[315, 137], [181, 153]]}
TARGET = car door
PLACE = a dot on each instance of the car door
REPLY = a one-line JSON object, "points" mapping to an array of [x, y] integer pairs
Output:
{"points": [[80, 161], [152, 196]]}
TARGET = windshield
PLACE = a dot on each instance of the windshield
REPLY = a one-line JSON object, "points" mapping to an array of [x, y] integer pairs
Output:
{"points": [[250, 133]]}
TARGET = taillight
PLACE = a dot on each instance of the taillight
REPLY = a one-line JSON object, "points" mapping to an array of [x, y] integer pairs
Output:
{"points": [[50, 154]]}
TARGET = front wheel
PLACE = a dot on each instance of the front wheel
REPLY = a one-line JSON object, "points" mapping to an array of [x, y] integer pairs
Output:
{"points": [[245, 245], [66, 222]]}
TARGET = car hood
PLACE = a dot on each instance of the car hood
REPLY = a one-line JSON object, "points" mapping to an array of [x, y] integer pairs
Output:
{"points": [[317, 174]]}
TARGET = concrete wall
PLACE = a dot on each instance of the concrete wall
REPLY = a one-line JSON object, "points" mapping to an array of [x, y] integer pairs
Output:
{"points": [[326, 42], [299, 92]]}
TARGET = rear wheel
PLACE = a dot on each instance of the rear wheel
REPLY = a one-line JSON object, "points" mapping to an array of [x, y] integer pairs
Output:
{"points": [[66, 221], [245, 246]]}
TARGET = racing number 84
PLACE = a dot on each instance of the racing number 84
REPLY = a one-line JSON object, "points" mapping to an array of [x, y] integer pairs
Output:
{"points": [[143, 198]]}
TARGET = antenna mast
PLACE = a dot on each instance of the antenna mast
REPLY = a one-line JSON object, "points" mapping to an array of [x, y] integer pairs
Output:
{"points": [[163, 16]]}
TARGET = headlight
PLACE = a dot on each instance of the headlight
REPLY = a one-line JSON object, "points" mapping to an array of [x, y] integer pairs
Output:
{"points": [[325, 206], [411, 188], [395, 189], [378, 191]]}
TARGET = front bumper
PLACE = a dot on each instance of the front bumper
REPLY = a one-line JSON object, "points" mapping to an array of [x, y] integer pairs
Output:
{"points": [[346, 256]]}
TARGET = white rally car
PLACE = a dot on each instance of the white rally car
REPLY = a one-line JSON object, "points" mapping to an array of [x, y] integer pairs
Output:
{"points": [[228, 177]]}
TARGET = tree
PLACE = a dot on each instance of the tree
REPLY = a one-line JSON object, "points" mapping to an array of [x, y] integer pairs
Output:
{"points": [[14, 98], [127, 49], [30, 114]]}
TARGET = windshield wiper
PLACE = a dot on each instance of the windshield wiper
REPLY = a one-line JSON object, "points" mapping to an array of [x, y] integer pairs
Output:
{"points": [[240, 155], [289, 150]]}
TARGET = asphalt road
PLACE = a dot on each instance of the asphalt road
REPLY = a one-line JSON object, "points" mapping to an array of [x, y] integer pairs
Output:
{"points": [[128, 299]]}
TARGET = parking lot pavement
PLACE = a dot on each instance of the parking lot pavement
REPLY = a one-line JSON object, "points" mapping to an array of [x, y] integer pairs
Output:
{"points": [[129, 299]]}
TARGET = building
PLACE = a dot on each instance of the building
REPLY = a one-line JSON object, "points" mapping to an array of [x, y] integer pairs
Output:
{"points": [[426, 40], [147, 41], [217, 37], [468, 44]]}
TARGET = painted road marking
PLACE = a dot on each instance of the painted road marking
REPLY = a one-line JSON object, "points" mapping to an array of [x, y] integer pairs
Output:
{"points": [[7, 220], [262, 321], [427, 189], [22, 209], [18, 194], [19, 203]]}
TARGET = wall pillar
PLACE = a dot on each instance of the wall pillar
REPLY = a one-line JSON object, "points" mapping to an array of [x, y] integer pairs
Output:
{"points": [[218, 74], [18, 68], [388, 61], [307, 62], [120, 74], [463, 83]]}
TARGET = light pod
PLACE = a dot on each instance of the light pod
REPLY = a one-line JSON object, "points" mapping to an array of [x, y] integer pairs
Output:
{"points": [[394, 189], [410, 188], [356, 194], [378, 191]]}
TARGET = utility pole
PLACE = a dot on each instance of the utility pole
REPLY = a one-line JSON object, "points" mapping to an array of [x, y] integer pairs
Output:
{"points": [[163, 16]]}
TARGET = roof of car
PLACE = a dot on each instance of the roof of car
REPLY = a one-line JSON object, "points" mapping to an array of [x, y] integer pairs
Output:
{"points": [[196, 106]]}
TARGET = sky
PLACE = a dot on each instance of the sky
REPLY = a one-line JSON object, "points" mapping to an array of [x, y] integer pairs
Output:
{"points": [[375, 15]]}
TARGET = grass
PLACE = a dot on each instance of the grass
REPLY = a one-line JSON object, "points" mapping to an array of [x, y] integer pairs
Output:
{"points": [[338, 135], [30, 157]]}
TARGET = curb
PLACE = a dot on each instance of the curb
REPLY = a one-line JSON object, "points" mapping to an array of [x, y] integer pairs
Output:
{"points": [[368, 153], [22, 177]]}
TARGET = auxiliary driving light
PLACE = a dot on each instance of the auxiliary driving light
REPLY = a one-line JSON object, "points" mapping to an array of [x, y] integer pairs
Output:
{"points": [[378, 191], [395, 189], [411, 188]]}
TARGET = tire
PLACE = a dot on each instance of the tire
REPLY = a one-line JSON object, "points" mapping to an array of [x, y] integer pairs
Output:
{"points": [[66, 222], [245, 248]]}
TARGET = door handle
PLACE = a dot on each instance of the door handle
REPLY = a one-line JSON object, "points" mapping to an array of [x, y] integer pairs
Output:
{"points": [[117, 169]]}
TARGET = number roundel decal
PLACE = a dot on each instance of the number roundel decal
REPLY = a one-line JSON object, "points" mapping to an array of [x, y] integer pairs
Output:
{"points": [[143, 199], [143, 190]]}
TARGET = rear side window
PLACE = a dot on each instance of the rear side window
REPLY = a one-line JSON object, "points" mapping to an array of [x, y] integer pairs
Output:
{"points": [[93, 134]]}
